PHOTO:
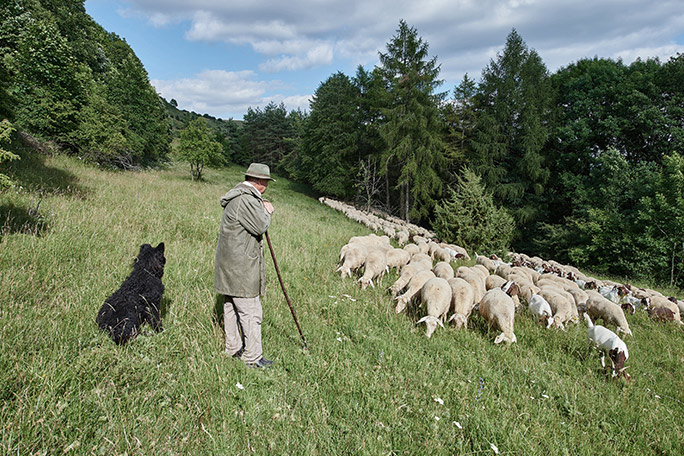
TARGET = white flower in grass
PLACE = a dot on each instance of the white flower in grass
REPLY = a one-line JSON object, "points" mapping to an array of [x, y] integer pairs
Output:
{"points": [[339, 339], [436, 418], [239, 386], [439, 400], [332, 297], [494, 448], [458, 425], [545, 396]]}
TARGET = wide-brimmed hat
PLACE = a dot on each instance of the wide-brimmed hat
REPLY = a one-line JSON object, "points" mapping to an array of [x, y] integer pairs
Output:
{"points": [[260, 171]]}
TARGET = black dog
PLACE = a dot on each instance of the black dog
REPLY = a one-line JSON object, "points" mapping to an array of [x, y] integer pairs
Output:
{"points": [[138, 299]]}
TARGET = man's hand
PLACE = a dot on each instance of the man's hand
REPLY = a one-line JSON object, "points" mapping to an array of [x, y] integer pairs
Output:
{"points": [[269, 207]]}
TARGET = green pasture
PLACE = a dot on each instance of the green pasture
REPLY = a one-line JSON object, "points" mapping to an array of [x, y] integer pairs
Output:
{"points": [[370, 383]]}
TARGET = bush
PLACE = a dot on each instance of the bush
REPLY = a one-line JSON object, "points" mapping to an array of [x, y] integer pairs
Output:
{"points": [[470, 219]]}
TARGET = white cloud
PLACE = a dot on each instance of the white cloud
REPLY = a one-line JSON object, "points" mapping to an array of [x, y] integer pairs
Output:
{"points": [[464, 34], [226, 94]]}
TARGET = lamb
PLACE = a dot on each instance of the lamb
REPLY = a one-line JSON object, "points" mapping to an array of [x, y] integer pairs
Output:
{"points": [[462, 301], [444, 270], [414, 286], [540, 308], [498, 309], [354, 258], [600, 307], [374, 267], [436, 295], [608, 342]]}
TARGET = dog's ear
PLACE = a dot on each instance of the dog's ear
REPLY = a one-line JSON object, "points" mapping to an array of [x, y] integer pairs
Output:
{"points": [[160, 247]]}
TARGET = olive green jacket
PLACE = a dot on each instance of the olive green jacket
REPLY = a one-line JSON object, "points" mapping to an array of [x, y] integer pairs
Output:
{"points": [[239, 264]]}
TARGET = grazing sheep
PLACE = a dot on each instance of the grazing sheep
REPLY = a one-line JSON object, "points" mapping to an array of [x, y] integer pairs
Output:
{"points": [[656, 301], [475, 280], [442, 255], [374, 267], [498, 309], [402, 237], [486, 262], [462, 301], [412, 249], [608, 342], [661, 314], [423, 247], [397, 258], [540, 308], [598, 307], [407, 272], [422, 258], [494, 281], [561, 306], [444, 270], [414, 286], [354, 258], [436, 295]]}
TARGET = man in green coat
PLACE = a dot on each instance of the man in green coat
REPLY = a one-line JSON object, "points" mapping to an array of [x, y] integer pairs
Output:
{"points": [[239, 270]]}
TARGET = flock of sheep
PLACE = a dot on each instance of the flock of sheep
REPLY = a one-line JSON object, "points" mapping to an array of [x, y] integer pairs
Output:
{"points": [[554, 294]]}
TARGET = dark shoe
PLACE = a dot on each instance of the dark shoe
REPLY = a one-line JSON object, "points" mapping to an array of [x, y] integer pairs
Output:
{"points": [[262, 363]]}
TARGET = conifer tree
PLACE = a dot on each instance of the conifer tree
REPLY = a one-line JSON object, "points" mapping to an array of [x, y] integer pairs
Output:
{"points": [[513, 103], [412, 125]]}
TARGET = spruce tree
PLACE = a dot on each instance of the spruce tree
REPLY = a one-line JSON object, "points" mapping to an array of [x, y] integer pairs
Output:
{"points": [[412, 128], [513, 104]]}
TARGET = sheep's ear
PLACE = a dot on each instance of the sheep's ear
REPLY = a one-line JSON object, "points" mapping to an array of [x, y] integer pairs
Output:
{"points": [[500, 338], [453, 317], [422, 320], [440, 323]]}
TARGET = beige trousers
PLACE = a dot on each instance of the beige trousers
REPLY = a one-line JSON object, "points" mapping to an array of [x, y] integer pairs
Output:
{"points": [[242, 323]]}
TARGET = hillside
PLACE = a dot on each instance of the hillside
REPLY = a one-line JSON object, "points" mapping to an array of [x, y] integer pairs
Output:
{"points": [[371, 383]]}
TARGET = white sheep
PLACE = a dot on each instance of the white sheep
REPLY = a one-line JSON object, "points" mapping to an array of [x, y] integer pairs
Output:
{"points": [[442, 255], [407, 272], [600, 307], [561, 306], [375, 267], [486, 262], [414, 286], [397, 258], [540, 308], [498, 309], [412, 249], [474, 278], [354, 258], [462, 301], [422, 258], [444, 270], [402, 237], [608, 342], [436, 295], [494, 281]]}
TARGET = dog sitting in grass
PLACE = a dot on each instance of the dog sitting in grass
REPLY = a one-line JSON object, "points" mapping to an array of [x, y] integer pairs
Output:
{"points": [[138, 299]]}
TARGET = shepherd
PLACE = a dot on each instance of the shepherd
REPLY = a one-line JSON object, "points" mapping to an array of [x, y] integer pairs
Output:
{"points": [[239, 269]]}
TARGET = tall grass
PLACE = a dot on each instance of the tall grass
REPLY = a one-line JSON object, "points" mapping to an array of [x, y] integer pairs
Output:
{"points": [[371, 382]]}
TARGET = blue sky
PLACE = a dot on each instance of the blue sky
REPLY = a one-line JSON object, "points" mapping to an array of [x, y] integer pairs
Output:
{"points": [[222, 56]]}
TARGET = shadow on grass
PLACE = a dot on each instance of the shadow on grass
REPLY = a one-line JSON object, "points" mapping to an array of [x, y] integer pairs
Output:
{"points": [[31, 173], [16, 219]]}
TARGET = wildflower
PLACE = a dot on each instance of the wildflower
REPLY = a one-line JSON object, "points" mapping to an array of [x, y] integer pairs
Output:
{"points": [[239, 386]]}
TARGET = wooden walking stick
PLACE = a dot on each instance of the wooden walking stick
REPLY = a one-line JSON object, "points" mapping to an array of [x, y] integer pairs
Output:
{"points": [[282, 285]]}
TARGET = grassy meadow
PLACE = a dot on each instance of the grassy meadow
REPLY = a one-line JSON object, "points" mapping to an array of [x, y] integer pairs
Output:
{"points": [[370, 383]]}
